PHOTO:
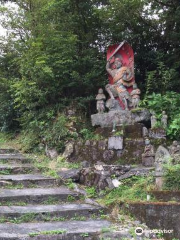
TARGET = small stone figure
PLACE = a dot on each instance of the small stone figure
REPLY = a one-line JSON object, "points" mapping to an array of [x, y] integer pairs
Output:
{"points": [[135, 94], [153, 120], [100, 101], [174, 150], [148, 155], [145, 132], [164, 119], [149, 150]]}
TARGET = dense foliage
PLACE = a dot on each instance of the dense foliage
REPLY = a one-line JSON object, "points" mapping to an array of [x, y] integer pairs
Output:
{"points": [[169, 102], [55, 54]]}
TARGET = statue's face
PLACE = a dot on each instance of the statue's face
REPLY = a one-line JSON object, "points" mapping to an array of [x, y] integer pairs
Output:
{"points": [[117, 63], [100, 91]]}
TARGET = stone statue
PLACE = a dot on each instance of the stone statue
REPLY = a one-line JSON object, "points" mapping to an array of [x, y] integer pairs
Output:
{"points": [[148, 155], [135, 94], [153, 120], [149, 149], [164, 119], [100, 101], [174, 150], [162, 156], [121, 76]]}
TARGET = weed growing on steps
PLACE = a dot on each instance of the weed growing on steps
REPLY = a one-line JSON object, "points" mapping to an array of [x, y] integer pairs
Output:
{"points": [[69, 183], [91, 192], [34, 217], [6, 171], [9, 203], [53, 232], [17, 186], [84, 235], [50, 167]]}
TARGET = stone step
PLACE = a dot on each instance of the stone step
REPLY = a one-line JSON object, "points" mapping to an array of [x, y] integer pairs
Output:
{"points": [[68, 230], [48, 212], [37, 195], [16, 168], [10, 150], [14, 158], [28, 179]]}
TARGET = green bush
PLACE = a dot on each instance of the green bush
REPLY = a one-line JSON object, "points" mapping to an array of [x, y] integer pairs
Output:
{"points": [[172, 177], [169, 102]]}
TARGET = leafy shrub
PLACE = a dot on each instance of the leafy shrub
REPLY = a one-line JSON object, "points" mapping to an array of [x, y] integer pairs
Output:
{"points": [[8, 114], [172, 177], [161, 80], [169, 102], [88, 134]]}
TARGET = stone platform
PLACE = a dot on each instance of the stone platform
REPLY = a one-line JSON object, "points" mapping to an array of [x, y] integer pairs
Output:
{"points": [[121, 117]]}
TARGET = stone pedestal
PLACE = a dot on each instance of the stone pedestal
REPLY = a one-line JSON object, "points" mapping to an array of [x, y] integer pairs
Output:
{"points": [[148, 161], [121, 117], [159, 182]]}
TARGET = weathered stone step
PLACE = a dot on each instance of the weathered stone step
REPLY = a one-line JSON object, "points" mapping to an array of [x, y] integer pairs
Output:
{"points": [[37, 195], [48, 212], [73, 230], [14, 158], [28, 179], [16, 168], [10, 150]]}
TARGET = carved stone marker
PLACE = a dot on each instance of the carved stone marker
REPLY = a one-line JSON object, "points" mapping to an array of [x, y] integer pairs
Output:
{"points": [[164, 120], [157, 133], [148, 155], [162, 156], [115, 143]]}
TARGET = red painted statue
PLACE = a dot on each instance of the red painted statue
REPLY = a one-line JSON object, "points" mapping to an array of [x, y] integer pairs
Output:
{"points": [[120, 67]]}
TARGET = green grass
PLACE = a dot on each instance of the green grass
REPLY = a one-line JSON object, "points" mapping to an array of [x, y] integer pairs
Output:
{"points": [[28, 217], [33, 217], [17, 186], [6, 171], [9, 203], [132, 189], [51, 167], [53, 232], [91, 192]]}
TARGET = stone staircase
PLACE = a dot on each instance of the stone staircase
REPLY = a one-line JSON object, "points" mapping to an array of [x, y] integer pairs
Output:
{"points": [[33, 206]]}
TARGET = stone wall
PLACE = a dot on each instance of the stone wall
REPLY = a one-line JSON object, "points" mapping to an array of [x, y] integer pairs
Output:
{"points": [[159, 215], [166, 196], [131, 146]]}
